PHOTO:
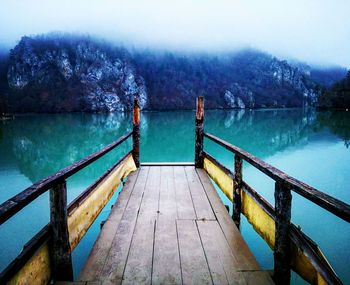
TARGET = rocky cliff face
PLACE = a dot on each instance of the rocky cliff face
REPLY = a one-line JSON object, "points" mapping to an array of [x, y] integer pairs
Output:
{"points": [[66, 74], [270, 82], [59, 76], [247, 79]]}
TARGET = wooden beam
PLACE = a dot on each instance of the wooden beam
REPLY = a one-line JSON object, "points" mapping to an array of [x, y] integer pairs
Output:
{"points": [[167, 164], [237, 188], [198, 158], [222, 176], [87, 208], [19, 201], [33, 264], [307, 259], [60, 251], [88, 191], [331, 204], [282, 255], [136, 133]]}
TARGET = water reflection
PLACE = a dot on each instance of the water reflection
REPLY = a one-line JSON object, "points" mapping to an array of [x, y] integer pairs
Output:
{"points": [[263, 132], [41, 144], [338, 123]]}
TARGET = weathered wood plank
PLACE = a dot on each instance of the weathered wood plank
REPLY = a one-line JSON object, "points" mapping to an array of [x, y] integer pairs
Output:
{"points": [[113, 268], [239, 248], [237, 191], [198, 157], [81, 218], [150, 247], [262, 221], [37, 270], [184, 204], [167, 195], [331, 204], [167, 164], [62, 269], [150, 201], [305, 257], [166, 259], [194, 267], [138, 269], [282, 254], [222, 264], [136, 133], [201, 204], [100, 250], [19, 201], [257, 277], [220, 176]]}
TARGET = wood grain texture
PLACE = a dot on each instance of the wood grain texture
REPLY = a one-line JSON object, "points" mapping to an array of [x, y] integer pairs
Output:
{"points": [[62, 266], [198, 153], [184, 202], [166, 260], [147, 241], [100, 250], [167, 195], [113, 269], [245, 258], [220, 177], [37, 270], [200, 201], [194, 266], [222, 263], [83, 216]]}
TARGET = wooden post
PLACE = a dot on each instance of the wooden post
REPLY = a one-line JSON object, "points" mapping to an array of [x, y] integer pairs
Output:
{"points": [[198, 158], [61, 252], [283, 204], [237, 191], [136, 133]]}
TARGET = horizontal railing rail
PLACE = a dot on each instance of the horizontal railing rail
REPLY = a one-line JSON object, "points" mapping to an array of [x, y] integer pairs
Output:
{"points": [[329, 203], [47, 255], [44, 234], [19, 201], [291, 248], [300, 239]]}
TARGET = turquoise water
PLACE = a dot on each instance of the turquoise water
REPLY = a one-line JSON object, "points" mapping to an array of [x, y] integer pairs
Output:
{"points": [[313, 147]]}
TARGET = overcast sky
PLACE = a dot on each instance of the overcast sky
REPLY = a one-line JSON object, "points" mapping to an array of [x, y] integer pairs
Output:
{"points": [[315, 31]]}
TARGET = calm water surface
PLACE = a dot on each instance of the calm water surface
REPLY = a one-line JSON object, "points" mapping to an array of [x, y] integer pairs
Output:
{"points": [[311, 146]]}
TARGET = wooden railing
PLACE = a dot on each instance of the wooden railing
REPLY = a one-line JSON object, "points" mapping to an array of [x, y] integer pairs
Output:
{"points": [[286, 240], [55, 242]]}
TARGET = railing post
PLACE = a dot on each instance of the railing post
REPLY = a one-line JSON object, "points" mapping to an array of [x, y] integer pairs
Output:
{"points": [[237, 191], [283, 204], [136, 133], [198, 158], [61, 252]]}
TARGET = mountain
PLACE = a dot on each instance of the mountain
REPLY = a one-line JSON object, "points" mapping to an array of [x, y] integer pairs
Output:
{"points": [[65, 73], [337, 96]]}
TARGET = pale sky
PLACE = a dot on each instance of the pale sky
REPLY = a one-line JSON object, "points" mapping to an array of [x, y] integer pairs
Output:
{"points": [[315, 31]]}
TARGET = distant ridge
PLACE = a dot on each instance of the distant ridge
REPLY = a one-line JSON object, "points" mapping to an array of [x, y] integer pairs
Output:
{"points": [[67, 73]]}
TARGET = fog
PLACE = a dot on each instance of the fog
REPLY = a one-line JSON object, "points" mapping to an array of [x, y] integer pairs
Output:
{"points": [[314, 31]]}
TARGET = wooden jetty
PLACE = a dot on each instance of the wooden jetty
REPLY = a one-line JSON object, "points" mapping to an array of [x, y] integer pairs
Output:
{"points": [[168, 225]]}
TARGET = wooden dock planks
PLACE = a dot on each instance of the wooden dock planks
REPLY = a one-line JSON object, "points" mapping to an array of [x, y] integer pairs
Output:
{"points": [[169, 226]]}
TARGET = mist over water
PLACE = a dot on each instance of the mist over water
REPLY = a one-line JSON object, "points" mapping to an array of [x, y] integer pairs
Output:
{"points": [[317, 32]]}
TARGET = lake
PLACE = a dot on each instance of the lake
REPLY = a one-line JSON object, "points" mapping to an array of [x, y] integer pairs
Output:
{"points": [[311, 146]]}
